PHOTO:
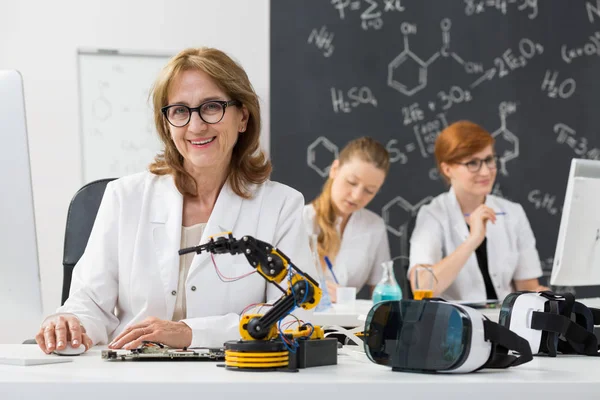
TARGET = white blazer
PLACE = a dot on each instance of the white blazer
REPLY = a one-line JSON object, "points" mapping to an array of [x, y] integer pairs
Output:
{"points": [[130, 268], [364, 247], [512, 255]]}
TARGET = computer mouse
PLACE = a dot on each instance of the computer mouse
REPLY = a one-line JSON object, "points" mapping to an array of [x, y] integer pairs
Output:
{"points": [[70, 351]]}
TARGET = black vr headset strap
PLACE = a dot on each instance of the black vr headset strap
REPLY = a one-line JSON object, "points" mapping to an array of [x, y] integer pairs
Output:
{"points": [[503, 340], [568, 305], [571, 331], [560, 324], [553, 324], [568, 300], [578, 334], [549, 332], [596, 314]]}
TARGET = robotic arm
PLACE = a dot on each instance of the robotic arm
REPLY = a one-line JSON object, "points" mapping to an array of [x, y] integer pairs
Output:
{"points": [[303, 291]]}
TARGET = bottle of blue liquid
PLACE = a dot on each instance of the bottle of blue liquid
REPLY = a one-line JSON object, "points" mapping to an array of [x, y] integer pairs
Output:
{"points": [[325, 302], [387, 288]]}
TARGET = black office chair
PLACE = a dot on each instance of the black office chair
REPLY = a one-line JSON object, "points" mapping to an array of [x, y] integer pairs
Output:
{"points": [[401, 266], [405, 285], [80, 220]]}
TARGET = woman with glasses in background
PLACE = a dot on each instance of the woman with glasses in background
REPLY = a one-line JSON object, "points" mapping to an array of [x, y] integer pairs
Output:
{"points": [[479, 246], [131, 285]]}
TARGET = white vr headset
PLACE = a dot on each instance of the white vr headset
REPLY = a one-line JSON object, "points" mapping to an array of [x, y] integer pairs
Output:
{"points": [[551, 323], [432, 335]]}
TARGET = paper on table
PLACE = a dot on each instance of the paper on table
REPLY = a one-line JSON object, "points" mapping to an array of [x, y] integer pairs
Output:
{"points": [[28, 354], [27, 361]]}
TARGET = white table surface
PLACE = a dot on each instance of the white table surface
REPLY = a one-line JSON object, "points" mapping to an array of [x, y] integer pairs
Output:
{"points": [[342, 316], [353, 317], [89, 377]]}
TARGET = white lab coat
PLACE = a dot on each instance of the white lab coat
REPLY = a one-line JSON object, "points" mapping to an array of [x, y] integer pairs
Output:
{"points": [[130, 268], [363, 248], [512, 255]]}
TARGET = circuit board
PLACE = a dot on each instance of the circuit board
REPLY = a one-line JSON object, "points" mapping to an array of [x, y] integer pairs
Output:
{"points": [[151, 351]]}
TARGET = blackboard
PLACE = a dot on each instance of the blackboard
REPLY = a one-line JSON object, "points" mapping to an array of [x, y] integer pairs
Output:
{"points": [[400, 71]]}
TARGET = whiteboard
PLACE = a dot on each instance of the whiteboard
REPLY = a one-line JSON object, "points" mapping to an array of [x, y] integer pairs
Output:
{"points": [[117, 129]]}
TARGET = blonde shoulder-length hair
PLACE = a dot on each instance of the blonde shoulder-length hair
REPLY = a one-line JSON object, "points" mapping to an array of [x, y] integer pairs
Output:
{"points": [[365, 149], [248, 165]]}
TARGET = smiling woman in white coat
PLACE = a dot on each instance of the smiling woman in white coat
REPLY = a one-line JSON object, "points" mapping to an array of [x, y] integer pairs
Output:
{"points": [[353, 238], [479, 246], [130, 284]]}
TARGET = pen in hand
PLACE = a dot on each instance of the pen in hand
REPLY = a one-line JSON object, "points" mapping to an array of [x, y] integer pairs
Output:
{"points": [[498, 213], [330, 267]]}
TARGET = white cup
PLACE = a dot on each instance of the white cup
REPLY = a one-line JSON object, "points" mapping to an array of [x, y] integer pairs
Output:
{"points": [[345, 297]]}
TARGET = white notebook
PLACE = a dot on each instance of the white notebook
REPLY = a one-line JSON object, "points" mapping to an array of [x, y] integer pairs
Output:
{"points": [[28, 354], [26, 361]]}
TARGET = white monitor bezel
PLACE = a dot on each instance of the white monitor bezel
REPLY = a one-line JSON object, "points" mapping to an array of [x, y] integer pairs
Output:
{"points": [[562, 272]]}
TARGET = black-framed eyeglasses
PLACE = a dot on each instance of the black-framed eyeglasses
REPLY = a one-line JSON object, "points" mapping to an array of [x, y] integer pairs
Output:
{"points": [[211, 112], [475, 164]]}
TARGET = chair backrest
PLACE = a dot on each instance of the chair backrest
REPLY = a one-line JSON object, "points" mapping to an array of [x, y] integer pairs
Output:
{"points": [[401, 271], [80, 220], [407, 290]]}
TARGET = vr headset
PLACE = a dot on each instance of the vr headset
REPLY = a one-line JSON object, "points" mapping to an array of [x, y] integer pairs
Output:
{"points": [[551, 323], [432, 335]]}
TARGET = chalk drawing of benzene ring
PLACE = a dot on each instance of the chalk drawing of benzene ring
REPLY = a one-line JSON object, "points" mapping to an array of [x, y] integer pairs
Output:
{"points": [[407, 207], [394, 74], [407, 57], [321, 143]]}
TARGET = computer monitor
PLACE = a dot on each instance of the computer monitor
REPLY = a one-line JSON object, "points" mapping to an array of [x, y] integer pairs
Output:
{"points": [[577, 256], [20, 289]]}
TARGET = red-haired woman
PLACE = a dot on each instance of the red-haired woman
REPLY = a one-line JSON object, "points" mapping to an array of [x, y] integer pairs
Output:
{"points": [[472, 259]]}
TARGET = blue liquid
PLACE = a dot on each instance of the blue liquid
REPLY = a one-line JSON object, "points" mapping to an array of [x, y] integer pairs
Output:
{"points": [[385, 292], [325, 302]]}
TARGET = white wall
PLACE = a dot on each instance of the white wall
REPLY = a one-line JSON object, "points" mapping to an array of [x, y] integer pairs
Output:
{"points": [[40, 38]]}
